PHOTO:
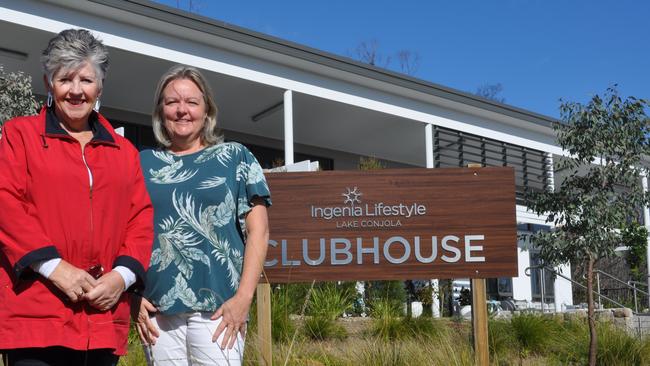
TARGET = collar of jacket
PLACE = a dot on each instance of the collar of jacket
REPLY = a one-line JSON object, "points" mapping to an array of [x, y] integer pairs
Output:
{"points": [[100, 134]]}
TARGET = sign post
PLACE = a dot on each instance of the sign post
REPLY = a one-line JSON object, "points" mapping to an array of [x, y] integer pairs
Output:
{"points": [[480, 322]]}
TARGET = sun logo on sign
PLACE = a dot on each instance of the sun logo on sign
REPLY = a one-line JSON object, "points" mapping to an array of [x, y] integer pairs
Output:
{"points": [[352, 196]]}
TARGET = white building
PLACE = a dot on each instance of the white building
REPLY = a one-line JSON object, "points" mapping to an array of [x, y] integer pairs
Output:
{"points": [[283, 99]]}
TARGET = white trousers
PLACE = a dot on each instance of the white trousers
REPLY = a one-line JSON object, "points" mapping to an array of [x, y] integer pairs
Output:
{"points": [[186, 339]]}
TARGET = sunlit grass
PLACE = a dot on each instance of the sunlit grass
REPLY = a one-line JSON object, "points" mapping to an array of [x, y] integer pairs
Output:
{"points": [[528, 339]]}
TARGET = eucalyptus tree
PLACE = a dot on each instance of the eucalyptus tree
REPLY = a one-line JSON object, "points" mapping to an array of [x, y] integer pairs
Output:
{"points": [[599, 196]]}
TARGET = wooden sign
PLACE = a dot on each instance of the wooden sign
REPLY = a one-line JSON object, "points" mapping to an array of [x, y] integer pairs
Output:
{"points": [[392, 224]]}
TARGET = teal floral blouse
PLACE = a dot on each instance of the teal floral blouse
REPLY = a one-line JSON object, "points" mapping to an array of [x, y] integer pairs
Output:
{"points": [[200, 203]]}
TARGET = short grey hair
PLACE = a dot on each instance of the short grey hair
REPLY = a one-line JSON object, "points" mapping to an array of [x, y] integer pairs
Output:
{"points": [[210, 134], [70, 49]]}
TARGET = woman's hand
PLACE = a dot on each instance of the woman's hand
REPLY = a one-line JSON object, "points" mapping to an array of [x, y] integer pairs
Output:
{"points": [[233, 313], [107, 292], [141, 310], [72, 281]]}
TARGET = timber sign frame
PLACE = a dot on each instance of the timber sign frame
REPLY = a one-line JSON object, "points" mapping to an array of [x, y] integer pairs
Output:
{"points": [[392, 224]]}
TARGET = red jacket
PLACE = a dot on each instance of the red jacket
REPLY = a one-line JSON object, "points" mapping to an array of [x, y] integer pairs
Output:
{"points": [[48, 210]]}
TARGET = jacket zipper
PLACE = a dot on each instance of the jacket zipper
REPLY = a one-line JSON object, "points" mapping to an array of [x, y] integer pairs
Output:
{"points": [[90, 193], [92, 226]]}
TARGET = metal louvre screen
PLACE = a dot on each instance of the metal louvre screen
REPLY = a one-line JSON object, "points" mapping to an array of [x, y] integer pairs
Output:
{"points": [[457, 149]]}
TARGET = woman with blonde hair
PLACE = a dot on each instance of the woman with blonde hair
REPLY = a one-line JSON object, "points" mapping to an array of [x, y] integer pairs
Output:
{"points": [[211, 230]]}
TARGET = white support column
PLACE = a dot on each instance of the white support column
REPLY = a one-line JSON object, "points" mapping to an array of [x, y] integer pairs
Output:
{"points": [[428, 143], [646, 223], [288, 127]]}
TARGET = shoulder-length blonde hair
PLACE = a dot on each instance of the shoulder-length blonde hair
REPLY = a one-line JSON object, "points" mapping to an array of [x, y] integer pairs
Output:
{"points": [[210, 134]]}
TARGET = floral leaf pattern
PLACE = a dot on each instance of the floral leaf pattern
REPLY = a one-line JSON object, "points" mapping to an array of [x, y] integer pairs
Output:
{"points": [[200, 205], [179, 291], [222, 152], [224, 213], [170, 173], [177, 245], [212, 182], [232, 258], [209, 218]]}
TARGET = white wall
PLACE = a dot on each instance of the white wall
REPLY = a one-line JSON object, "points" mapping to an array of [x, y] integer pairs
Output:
{"points": [[521, 285]]}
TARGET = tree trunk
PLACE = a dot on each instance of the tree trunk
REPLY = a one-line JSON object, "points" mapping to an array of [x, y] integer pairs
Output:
{"points": [[593, 336]]}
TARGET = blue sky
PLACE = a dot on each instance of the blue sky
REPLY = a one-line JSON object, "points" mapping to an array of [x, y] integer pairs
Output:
{"points": [[539, 50]]}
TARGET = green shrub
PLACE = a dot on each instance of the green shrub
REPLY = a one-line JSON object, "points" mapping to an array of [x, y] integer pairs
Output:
{"points": [[321, 328], [617, 347], [424, 328], [16, 96], [327, 303], [282, 328], [386, 291], [382, 354], [386, 325], [534, 333], [502, 341]]}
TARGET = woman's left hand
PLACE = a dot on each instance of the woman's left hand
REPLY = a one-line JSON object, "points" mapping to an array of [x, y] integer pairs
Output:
{"points": [[233, 313], [107, 292]]}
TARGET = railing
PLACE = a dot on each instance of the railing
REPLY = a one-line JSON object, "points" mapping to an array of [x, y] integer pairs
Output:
{"points": [[630, 285], [558, 274]]}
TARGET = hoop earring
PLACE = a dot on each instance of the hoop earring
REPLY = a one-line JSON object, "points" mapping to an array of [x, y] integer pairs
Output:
{"points": [[49, 99], [97, 105]]}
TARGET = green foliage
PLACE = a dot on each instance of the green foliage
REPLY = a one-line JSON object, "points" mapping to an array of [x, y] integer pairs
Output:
{"points": [[450, 344], [386, 354], [327, 303], [16, 97], [321, 328], [386, 324], [282, 328], [595, 201], [635, 238], [386, 291], [424, 328], [616, 347], [534, 333], [501, 338], [370, 163], [529, 337]]}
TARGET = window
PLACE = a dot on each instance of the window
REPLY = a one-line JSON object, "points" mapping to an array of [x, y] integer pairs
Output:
{"points": [[140, 136], [499, 288], [541, 279]]}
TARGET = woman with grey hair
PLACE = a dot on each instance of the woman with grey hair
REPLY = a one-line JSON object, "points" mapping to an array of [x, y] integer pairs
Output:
{"points": [[76, 224], [211, 230]]}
